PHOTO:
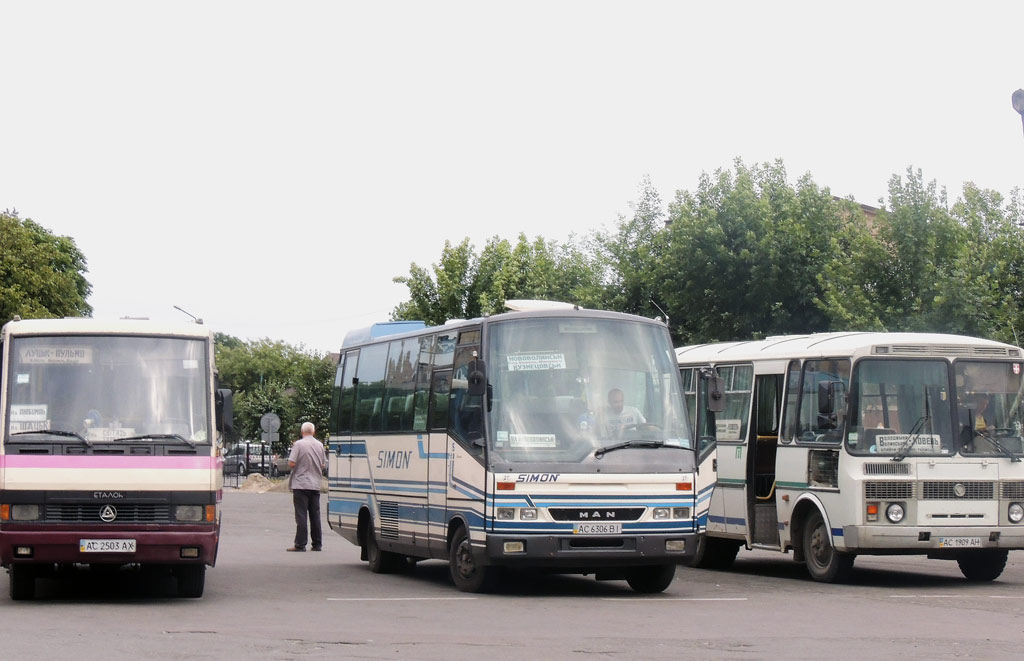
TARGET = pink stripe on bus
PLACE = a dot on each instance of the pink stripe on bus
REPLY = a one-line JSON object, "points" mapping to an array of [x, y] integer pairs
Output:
{"points": [[115, 461]]}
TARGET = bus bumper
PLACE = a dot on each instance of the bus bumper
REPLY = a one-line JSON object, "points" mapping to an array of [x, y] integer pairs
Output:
{"points": [[575, 551], [183, 544], [924, 539]]}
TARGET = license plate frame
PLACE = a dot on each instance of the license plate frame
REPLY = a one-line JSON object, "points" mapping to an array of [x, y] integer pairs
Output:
{"points": [[107, 546], [959, 542], [597, 529]]}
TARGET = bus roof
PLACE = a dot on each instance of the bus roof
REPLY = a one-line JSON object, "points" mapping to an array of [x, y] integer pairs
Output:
{"points": [[853, 343], [89, 326], [554, 312]]}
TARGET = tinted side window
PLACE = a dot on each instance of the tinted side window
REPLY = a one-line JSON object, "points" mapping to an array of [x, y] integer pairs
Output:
{"points": [[400, 387], [370, 388], [465, 412], [345, 391]]}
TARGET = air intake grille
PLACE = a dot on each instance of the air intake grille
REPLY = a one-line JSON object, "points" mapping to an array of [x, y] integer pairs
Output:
{"points": [[596, 513], [889, 490], [947, 490], [90, 513], [1012, 490], [946, 350], [388, 520], [888, 468]]}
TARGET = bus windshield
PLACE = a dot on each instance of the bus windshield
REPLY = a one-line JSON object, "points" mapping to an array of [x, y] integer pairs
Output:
{"points": [[900, 408], [990, 416], [100, 388], [570, 391]]}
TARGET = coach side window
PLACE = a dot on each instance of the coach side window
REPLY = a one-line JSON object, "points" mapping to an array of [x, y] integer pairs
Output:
{"points": [[421, 398], [345, 393], [400, 384], [370, 388]]}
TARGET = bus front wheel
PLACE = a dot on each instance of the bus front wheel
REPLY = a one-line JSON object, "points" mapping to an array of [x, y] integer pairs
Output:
{"points": [[191, 580], [715, 553], [983, 565], [824, 562], [651, 580], [468, 574], [23, 582]]}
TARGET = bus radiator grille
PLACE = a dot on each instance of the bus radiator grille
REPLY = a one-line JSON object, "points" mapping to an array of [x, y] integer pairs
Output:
{"points": [[876, 490], [90, 513], [945, 490]]}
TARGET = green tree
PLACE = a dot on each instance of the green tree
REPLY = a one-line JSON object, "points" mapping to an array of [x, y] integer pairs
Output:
{"points": [[41, 274]]}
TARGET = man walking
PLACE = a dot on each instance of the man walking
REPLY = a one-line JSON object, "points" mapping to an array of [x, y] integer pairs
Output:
{"points": [[307, 461]]}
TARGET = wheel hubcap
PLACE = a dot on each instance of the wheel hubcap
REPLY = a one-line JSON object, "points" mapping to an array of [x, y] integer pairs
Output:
{"points": [[821, 550], [464, 560]]}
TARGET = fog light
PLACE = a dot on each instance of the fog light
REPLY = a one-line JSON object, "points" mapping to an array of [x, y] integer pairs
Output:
{"points": [[662, 512], [24, 512], [1015, 512], [505, 513], [872, 512], [528, 513], [675, 545], [188, 513], [894, 512], [515, 547], [190, 551], [22, 551], [680, 512]]}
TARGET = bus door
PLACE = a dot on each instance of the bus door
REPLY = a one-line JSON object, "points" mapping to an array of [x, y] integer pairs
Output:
{"points": [[760, 468], [711, 400], [437, 460]]}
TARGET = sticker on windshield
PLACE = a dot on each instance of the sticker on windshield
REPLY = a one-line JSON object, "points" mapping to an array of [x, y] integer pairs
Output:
{"points": [[576, 328], [28, 412], [896, 442], [56, 355], [108, 433], [728, 430], [532, 440], [190, 364], [22, 378], [528, 362]]}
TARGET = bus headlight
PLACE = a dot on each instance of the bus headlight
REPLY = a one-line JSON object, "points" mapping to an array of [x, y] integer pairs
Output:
{"points": [[528, 513], [192, 513], [894, 512], [680, 512], [505, 513], [24, 512], [662, 512], [1015, 512]]}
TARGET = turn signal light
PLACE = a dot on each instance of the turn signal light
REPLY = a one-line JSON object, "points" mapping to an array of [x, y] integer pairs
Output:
{"points": [[506, 486], [5, 512], [211, 513], [684, 486], [872, 512]]}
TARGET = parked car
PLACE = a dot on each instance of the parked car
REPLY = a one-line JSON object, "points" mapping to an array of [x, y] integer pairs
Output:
{"points": [[247, 458]]}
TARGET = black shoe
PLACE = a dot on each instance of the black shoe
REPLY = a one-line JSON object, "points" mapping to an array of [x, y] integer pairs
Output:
{"points": [[298, 549], [318, 548]]}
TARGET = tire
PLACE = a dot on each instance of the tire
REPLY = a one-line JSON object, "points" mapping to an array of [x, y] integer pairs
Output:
{"points": [[467, 574], [824, 563], [242, 470], [651, 580], [715, 553], [23, 582], [983, 565], [381, 562], [191, 581]]}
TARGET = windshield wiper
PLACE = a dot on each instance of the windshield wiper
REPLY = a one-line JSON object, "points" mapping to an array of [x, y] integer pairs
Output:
{"points": [[996, 444], [915, 432], [156, 437], [600, 452], [56, 432]]}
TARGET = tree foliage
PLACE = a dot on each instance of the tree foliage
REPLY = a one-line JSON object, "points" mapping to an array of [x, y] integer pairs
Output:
{"points": [[272, 376], [41, 274]]}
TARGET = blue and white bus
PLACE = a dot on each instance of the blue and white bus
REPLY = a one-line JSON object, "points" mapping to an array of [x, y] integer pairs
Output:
{"points": [[493, 443]]}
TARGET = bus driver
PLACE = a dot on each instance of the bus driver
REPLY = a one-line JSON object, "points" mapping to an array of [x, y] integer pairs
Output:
{"points": [[619, 416]]}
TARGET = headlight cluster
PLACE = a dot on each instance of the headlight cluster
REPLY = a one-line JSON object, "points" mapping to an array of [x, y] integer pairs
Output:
{"points": [[1015, 512], [666, 513], [26, 512], [509, 513]]}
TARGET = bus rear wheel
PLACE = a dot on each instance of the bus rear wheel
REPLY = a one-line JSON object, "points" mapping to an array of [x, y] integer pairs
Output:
{"points": [[467, 573], [23, 582], [982, 565], [651, 580], [824, 562]]}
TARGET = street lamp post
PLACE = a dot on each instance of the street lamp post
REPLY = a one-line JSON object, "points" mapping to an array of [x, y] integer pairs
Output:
{"points": [[1018, 104]]}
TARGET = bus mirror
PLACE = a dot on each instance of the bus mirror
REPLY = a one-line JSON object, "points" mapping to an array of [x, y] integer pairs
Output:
{"points": [[477, 385], [716, 394], [827, 397], [225, 411], [831, 404]]}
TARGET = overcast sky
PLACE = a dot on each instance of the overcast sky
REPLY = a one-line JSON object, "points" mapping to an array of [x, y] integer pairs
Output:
{"points": [[271, 166]]}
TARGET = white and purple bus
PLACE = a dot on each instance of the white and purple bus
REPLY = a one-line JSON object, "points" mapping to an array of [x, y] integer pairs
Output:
{"points": [[109, 452]]}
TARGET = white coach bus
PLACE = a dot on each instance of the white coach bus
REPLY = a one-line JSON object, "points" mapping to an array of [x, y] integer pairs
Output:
{"points": [[554, 438], [838, 444], [109, 452]]}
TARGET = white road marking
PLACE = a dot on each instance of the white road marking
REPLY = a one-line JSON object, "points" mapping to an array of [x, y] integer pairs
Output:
{"points": [[400, 598], [655, 599]]}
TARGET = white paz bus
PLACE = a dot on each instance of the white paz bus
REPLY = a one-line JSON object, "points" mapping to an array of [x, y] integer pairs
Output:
{"points": [[554, 439], [109, 449], [838, 444]]}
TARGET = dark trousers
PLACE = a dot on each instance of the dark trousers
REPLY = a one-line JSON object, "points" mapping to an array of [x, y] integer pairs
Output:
{"points": [[307, 506]]}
